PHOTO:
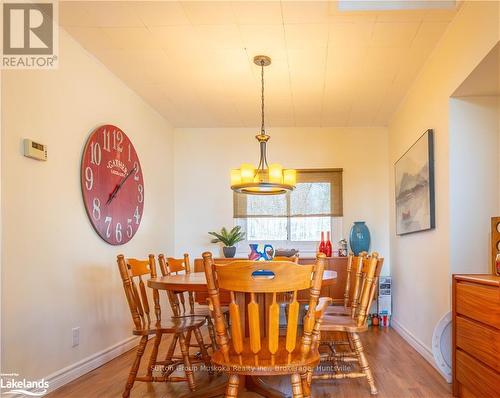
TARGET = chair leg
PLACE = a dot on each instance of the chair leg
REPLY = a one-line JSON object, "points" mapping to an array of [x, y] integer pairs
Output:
{"points": [[296, 386], [232, 386], [349, 339], [363, 363], [171, 348], [154, 354], [211, 332], [187, 362], [188, 339], [306, 383], [135, 367], [204, 353]]}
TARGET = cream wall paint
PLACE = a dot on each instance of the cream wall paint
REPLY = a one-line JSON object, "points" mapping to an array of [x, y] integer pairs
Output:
{"points": [[474, 189], [56, 272], [204, 157], [420, 263]]}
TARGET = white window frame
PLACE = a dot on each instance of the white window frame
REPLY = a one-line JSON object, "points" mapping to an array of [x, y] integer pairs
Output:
{"points": [[306, 248]]}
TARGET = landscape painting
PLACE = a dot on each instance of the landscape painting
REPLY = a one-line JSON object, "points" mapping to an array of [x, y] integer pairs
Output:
{"points": [[414, 173]]}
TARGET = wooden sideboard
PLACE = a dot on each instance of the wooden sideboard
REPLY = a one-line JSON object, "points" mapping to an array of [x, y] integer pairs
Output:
{"points": [[335, 291], [476, 336]]}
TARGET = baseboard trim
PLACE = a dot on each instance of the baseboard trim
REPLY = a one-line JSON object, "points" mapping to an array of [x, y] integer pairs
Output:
{"points": [[420, 347], [72, 372]]}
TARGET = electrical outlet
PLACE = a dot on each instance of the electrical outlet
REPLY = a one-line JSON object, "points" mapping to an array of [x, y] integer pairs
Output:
{"points": [[76, 336]]}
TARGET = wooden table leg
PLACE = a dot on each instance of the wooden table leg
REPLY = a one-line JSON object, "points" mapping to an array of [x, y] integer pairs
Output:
{"points": [[258, 384]]}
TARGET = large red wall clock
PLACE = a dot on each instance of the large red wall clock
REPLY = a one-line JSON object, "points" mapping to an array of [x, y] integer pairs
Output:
{"points": [[112, 184]]}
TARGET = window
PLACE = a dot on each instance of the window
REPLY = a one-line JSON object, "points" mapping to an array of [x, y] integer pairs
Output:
{"points": [[299, 216]]}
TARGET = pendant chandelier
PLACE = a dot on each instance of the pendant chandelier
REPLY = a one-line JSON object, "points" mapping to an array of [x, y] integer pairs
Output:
{"points": [[265, 179]]}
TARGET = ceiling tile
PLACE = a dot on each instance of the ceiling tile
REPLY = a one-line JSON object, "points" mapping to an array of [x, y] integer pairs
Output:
{"points": [[393, 34], [257, 12], [263, 36], [161, 13], [401, 16], [348, 34], [305, 12], [300, 36], [91, 38], [209, 12], [220, 36], [177, 39], [429, 33], [442, 15], [131, 38], [99, 14], [382, 63]]}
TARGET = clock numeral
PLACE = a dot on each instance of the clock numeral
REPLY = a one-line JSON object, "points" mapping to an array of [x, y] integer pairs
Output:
{"points": [[89, 178], [96, 208], [129, 153], [118, 232], [130, 231], [136, 214], [106, 140], [136, 173], [108, 220], [140, 189], [117, 140], [95, 153]]}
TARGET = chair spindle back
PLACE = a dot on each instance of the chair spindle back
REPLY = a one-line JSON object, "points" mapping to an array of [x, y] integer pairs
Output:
{"points": [[370, 269], [272, 278], [174, 266], [135, 291]]}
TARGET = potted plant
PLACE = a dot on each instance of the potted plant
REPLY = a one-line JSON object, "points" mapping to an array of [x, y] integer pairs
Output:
{"points": [[228, 239]]}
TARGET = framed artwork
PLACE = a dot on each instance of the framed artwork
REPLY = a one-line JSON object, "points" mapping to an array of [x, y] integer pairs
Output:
{"points": [[414, 175]]}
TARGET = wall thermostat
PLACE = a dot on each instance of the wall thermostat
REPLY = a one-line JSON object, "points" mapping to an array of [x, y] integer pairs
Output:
{"points": [[35, 150]]}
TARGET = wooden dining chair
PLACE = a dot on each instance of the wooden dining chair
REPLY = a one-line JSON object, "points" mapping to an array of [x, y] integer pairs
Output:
{"points": [[177, 300], [294, 259], [264, 352], [354, 265], [353, 325], [133, 272]]}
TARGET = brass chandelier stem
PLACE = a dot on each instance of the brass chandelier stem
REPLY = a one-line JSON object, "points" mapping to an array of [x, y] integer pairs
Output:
{"points": [[262, 129], [262, 137]]}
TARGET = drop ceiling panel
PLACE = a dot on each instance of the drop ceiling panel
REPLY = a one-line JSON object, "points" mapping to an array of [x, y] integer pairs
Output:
{"points": [[394, 34], [193, 61]]}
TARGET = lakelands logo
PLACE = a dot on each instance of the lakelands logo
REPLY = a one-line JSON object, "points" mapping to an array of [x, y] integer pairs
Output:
{"points": [[9, 385], [30, 35]]}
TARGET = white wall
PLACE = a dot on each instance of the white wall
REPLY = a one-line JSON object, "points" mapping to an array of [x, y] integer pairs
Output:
{"points": [[204, 158], [420, 263], [56, 271], [474, 173]]}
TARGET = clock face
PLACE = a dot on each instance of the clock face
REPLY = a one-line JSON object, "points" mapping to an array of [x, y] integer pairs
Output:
{"points": [[112, 184]]}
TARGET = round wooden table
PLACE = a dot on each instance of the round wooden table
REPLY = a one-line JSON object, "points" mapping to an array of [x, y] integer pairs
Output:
{"points": [[197, 282]]}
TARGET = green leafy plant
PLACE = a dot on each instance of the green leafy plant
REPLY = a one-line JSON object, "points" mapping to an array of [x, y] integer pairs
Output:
{"points": [[230, 238]]}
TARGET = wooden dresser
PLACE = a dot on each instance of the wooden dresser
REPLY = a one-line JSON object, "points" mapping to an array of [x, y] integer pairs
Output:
{"points": [[476, 336]]}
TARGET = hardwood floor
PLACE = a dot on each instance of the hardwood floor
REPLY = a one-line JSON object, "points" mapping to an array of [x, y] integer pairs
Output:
{"points": [[399, 371]]}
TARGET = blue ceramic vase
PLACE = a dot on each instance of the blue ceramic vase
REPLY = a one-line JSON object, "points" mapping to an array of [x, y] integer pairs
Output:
{"points": [[359, 238]]}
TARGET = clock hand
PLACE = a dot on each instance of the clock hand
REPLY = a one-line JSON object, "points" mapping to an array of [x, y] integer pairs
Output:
{"points": [[118, 187]]}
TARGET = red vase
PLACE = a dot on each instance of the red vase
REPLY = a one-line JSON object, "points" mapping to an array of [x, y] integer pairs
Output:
{"points": [[328, 245], [321, 247]]}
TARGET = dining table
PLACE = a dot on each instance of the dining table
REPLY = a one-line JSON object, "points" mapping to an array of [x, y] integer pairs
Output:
{"points": [[197, 282]]}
